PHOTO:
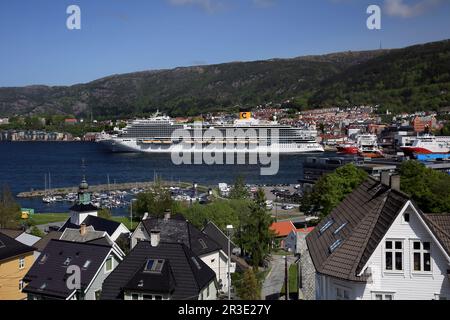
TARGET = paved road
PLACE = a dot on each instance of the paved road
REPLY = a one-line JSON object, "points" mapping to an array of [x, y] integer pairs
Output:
{"points": [[275, 279]]}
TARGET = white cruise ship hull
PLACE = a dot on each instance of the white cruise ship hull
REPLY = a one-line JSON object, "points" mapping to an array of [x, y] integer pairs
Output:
{"points": [[130, 145]]}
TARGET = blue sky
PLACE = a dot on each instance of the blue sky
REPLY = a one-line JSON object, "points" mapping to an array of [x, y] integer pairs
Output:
{"points": [[120, 36]]}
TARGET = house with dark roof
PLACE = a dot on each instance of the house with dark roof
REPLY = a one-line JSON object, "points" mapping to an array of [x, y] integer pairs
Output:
{"points": [[68, 270], [377, 245], [16, 259], [90, 235], [84, 212], [156, 270], [176, 229]]}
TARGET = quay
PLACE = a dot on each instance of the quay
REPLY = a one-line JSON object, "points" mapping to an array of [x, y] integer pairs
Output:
{"points": [[104, 188]]}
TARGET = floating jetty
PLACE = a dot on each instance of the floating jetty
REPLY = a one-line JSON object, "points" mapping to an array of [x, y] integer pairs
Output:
{"points": [[101, 188]]}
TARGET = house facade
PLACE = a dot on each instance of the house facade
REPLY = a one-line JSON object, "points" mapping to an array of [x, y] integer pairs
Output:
{"points": [[378, 245], [70, 271], [15, 261]]}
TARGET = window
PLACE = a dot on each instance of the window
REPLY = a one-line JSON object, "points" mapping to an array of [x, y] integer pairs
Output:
{"points": [[406, 217], [87, 264], [43, 259], [328, 224], [335, 245], [21, 285], [340, 228], [421, 256], [21, 263], [147, 297], [109, 264], [203, 243], [382, 296], [154, 265], [98, 293], [393, 255], [342, 293], [134, 296], [158, 297]]}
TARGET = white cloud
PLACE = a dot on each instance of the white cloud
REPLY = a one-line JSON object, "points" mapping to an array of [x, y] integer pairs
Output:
{"points": [[400, 9]]}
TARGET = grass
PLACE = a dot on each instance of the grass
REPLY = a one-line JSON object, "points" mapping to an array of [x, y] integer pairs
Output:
{"points": [[44, 218], [293, 280], [37, 219]]}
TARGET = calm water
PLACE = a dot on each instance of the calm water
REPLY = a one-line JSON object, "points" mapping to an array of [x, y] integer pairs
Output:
{"points": [[23, 166]]}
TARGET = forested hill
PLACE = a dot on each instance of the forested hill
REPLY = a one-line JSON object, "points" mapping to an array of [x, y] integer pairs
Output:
{"points": [[412, 78]]}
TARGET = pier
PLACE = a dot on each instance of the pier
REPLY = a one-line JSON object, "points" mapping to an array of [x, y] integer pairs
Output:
{"points": [[102, 188]]}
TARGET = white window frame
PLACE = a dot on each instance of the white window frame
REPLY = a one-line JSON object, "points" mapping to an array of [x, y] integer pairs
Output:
{"points": [[422, 252], [393, 251], [344, 290], [21, 263], [106, 264], [383, 295]]}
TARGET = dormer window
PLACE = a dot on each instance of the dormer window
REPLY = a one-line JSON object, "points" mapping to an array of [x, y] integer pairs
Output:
{"points": [[154, 265], [325, 227]]}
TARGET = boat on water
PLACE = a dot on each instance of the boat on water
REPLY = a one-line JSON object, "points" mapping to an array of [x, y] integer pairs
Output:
{"points": [[159, 135], [427, 145], [366, 145]]}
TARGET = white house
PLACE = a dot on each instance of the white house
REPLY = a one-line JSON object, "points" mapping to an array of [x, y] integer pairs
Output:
{"points": [[378, 245], [84, 212], [294, 239]]}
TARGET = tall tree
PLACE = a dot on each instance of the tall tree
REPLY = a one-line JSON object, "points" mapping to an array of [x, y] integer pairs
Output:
{"points": [[239, 190], [9, 209], [254, 235], [429, 188], [331, 189], [249, 287]]}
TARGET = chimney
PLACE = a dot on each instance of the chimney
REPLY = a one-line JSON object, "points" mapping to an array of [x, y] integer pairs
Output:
{"points": [[145, 216], [395, 183], [155, 237], [385, 178], [167, 215], [83, 229]]}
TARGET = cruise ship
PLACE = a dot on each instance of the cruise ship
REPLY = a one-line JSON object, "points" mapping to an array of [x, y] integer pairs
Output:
{"points": [[159, 134]]}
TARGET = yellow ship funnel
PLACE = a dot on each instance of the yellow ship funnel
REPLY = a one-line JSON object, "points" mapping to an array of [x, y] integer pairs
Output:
{"points": [[245, 115]]}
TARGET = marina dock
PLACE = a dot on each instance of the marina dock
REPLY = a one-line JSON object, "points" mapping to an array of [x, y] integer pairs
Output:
{"points": [[100, 188]]}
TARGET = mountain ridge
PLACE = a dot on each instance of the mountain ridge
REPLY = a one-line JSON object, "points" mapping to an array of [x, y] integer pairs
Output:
{"points": [[342, 78]]}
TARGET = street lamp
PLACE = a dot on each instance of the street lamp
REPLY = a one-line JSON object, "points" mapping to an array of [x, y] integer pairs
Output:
{"points": [[131, 213], [229, 229]]}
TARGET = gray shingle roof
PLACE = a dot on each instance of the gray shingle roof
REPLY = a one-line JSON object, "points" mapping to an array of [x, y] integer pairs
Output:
{"points": [[440, 226], [188, 278], [75, 235], [367, 213], [48, 275], [180, 230], [99, 224], [10, 247]]}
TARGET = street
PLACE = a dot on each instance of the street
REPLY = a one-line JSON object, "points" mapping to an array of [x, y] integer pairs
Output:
{"points": [[275, 279]]}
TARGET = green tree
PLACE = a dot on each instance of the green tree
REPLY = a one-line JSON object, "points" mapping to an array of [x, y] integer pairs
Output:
{"points": [[154, 201], [36, 232], [105, 213], [9, 209], [254, 235], [239, 190], [429, 188], [331, 189], [249, 287]]}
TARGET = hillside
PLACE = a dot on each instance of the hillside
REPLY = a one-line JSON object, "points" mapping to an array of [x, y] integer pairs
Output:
{"points": [[412, 78]]}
